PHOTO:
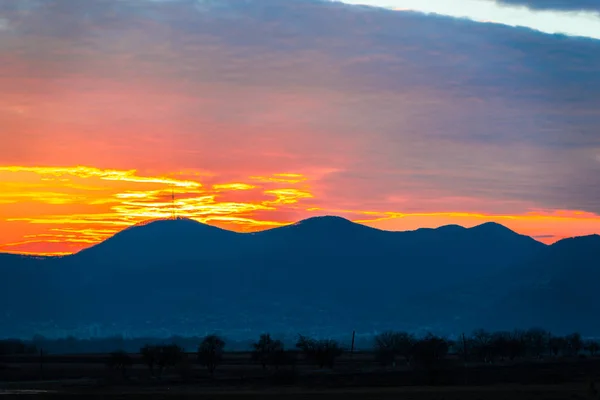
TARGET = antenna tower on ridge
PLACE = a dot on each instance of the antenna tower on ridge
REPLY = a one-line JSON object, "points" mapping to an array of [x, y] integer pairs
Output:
{"points": [[173, 202]]}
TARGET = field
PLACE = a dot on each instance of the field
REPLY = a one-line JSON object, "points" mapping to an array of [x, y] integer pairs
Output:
{"points": [[414, 393], [354, 377]]}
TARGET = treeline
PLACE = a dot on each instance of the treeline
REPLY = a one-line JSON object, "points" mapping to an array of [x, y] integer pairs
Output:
{"points": [[481, 346], [388, 347], [16, 346], [429, 353], [266, 351], [105, 345], [403, 358]]}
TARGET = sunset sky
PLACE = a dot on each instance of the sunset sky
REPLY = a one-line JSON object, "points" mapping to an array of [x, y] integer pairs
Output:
{"points": [[260, 113]]}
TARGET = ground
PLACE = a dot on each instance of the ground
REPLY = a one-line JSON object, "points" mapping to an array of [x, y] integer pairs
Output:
{"points": [[359, 377]]}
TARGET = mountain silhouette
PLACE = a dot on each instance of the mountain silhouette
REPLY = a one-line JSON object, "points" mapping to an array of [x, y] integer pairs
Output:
{"points": [[555, 289], [156, 238], [326, 222], [325, 272], [559, 288]]}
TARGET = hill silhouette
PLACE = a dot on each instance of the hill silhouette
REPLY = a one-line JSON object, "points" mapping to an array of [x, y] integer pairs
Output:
{"points": [[158, 238], [555, 289], [558, 288], [325, 272]]}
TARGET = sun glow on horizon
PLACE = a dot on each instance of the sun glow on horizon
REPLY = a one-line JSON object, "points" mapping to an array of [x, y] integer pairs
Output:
{"points": [[62, 210]]}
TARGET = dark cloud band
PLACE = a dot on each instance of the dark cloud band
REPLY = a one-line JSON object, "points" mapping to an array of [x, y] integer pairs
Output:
{"points": [[563, 5]]}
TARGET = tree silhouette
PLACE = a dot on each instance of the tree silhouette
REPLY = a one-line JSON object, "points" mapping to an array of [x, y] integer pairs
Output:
{"points": [[149, 356], [321, 352], [463, 347], [536, 341], [429, 353], [574, 343], [210, 352], [267, 351], [593, 347], [161, 357], [386, 349], [16, 346], [169, 356], [516, 345], [389, 345], [500, 345], [482, 345], [557, 345]]}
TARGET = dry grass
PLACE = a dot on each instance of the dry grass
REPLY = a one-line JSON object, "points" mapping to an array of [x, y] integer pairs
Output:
{"points": [[565, 392], [359, 378]]}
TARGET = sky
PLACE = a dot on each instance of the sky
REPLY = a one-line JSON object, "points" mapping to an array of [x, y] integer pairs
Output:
{"points": [[571, 17], [257, 114]]}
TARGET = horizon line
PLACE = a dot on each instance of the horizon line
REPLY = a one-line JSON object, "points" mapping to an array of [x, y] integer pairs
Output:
{"points": [[178, 218]]}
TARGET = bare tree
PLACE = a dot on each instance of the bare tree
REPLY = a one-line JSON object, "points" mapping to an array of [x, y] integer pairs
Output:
{"points": [[210, 352], [593, 347], [429, 353], [500, 345], [557, 345], [322, 352], [574, 343], [482, 344], [161, 357], [169, 356], [149, 357], [516, 345], [267, 351], [389, 345], [536, 341]]}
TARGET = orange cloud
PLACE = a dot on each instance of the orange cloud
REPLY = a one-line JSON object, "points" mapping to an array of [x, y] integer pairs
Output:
{"points": [[48, 173], [60, 210], [283, 178], [233, 186], [105, 201]]}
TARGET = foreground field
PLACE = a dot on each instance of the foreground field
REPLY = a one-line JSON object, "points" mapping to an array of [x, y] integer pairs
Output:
{"points": [[356, 377], [563, 392]]}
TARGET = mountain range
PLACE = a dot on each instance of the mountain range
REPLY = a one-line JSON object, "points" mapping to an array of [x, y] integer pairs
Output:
{"points": [[324, 275]]}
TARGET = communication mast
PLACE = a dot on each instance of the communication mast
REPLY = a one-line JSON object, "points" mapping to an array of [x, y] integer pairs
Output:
{"points": [[173, 202]]}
